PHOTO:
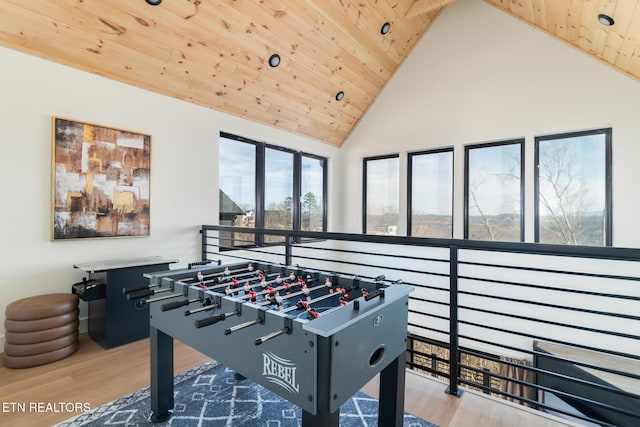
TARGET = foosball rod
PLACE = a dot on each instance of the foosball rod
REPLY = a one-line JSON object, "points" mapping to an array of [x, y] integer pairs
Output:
{"points": [[288, 329], [229, 272], [320, 298], [218, 318], [137, 288], [227, 277], [363, 295], [210, 288], [277, 288], [203, 308], [143, 287], [294, 294], [272, 335], [258, 321], [164, 297], [145, 293], [173, 305]]}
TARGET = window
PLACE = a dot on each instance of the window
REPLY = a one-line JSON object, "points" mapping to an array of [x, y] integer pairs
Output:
{"points": [[430, 189], [313, 185], [278, 192], [381, 199], [573, 188], [237, 182], [261, 186], [494, 191]]}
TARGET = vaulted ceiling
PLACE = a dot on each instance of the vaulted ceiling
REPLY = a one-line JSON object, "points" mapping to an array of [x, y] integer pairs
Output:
{"points": [[216, 53]]}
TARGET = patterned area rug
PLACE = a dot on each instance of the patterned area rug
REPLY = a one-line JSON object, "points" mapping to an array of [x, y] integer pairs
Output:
{"points": [[208, 395]]}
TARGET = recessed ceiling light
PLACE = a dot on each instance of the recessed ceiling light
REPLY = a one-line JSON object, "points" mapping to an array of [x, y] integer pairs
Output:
{"points": [[605, 20], [339, 96], [154, 2], [274, 60], [385, 28]]}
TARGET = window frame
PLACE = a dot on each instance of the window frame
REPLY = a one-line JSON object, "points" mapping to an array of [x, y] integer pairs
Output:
{"points": [[298, 181], [410, 157], [365, 160], [467, 148], [608, 134], [260, 183]]}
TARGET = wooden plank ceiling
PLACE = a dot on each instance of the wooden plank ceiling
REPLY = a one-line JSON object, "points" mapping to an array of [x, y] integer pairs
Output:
{"points": [[215, 52]]}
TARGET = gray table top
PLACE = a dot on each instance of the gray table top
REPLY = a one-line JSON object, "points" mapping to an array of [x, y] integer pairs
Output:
{"points": [[96, 266]]}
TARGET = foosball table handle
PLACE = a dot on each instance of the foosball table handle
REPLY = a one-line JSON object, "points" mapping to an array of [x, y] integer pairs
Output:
{"points": [[135, 288], [262, 339], [373, 294], [210, 320], [173, 305], [139, 294]]}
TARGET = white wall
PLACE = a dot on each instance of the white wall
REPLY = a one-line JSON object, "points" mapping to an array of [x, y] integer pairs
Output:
{"points": [[184, 176], [479, 75]]}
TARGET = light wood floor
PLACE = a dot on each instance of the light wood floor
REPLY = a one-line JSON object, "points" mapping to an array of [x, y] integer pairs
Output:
{"points": [[94, 376]]}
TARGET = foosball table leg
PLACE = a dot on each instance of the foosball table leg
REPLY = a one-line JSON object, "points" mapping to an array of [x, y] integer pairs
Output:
{"points": [[391, 402], [323, 416], [161, 376]]}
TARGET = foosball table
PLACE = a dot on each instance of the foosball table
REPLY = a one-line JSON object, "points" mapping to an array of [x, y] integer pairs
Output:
{"points": [[312, 337]]}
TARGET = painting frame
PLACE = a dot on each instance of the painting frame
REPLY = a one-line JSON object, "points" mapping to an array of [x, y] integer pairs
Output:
{"points": [[100, 181]]}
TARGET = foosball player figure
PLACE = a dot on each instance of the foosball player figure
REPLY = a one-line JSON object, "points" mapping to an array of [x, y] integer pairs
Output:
{"points": [[271, 292], [278, 279], [226, 271], [234, 285], [263, 283], [246, 287], [250, 267], [328, 284], [292, 277], [344, 299], [277, 300], [287, 288], [261, 276], [228, 291], [312, 313], [253, 296], [306, 291], [201, 280]]}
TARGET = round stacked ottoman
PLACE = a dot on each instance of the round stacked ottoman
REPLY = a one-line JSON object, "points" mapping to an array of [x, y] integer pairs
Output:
{"points": [[40, 330]]}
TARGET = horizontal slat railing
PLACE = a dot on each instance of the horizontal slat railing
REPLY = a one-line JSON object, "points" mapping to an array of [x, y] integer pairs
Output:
{"points": [[552, 327]]}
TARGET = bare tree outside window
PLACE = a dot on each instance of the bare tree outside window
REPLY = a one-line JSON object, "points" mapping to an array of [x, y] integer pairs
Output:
{"points": [[573, 189], [312, 185], [494, 191]]}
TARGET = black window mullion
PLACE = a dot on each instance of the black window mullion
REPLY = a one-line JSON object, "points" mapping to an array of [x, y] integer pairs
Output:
{"points": [[608, 188], [260, 189], [297, 190]]}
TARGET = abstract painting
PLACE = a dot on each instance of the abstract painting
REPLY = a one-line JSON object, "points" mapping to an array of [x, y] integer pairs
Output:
{"points": [[101, 181]]}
